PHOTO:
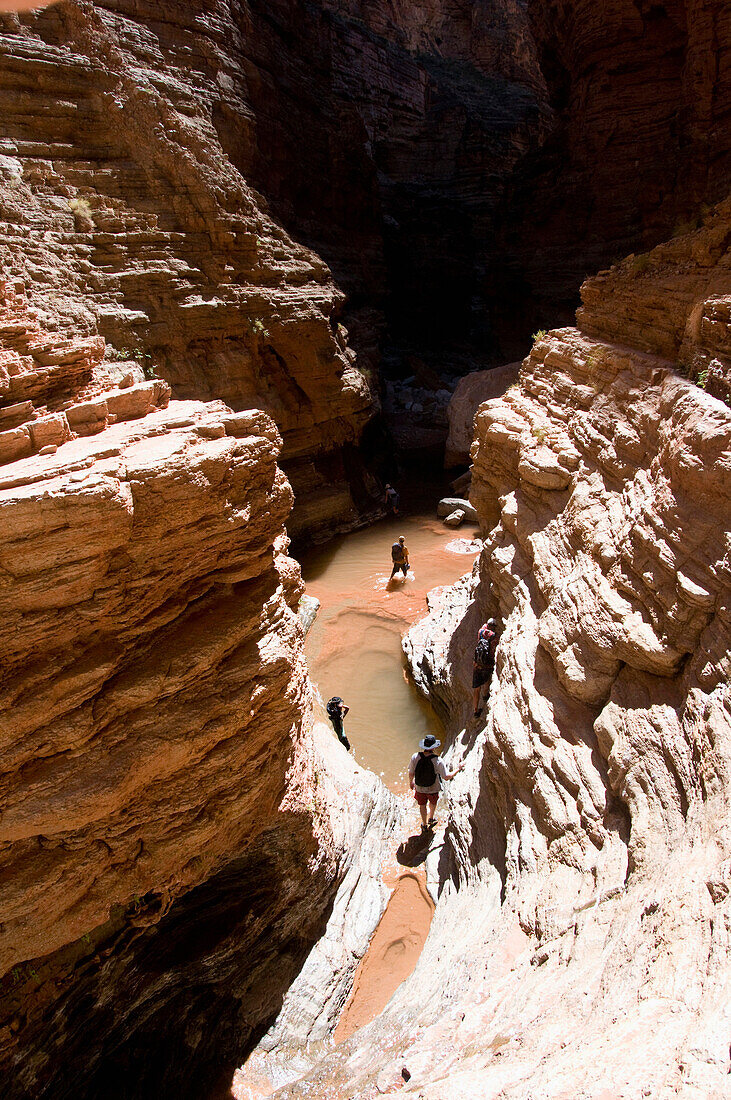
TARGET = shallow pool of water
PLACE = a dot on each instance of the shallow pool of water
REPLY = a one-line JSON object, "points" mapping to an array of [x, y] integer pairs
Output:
{"points": [[354, 646]]}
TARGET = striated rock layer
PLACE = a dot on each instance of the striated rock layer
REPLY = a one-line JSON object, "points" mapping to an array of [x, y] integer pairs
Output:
{"points": [[118, 195], [167, 848], [460, 164], [580, 944]]}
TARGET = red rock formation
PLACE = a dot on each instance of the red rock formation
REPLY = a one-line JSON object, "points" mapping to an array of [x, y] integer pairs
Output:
{"points": [[160, 850], [122, 201], [462, 166], [466, 164], [585, 880], [641, 95]]}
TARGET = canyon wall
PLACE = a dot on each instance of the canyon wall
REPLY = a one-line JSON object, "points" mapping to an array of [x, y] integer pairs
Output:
{"points": [[122, 210], [460, 165], [167, 851], [463, 164], [640, 141], [580, 944]]}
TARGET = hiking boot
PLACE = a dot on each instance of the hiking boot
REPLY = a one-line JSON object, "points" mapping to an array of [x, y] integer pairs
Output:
{"points": [[431, 823]]}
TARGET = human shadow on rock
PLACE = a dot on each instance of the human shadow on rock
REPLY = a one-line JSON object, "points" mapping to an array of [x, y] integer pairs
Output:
{"points": [[414, 850]]}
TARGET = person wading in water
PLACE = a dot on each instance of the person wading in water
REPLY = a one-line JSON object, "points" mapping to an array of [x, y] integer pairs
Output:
{"points": [[399, 557], [426, 772]]}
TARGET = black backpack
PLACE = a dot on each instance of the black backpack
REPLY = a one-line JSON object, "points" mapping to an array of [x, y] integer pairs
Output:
{"points": [[483, 652], [333, 707], [397, 552], [425, 774]]}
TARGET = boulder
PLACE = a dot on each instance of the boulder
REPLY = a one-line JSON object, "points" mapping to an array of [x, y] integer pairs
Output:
{"points": [[469, 394], [447, 505], [307, 611], [455, 518]]}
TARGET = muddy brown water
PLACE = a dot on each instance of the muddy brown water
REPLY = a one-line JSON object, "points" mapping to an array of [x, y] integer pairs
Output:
{"points": [[354, 646]]}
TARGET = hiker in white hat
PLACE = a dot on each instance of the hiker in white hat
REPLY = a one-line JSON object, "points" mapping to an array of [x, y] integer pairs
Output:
{"points": [[426, 772]]}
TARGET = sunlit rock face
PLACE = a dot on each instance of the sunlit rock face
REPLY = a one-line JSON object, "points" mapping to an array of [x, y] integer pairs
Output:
{"points": [[122, 209], [166, 854], [584, 880]]}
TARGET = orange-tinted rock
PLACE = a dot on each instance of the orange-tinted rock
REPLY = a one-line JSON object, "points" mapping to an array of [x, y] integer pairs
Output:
{"points": [[156, 766], [151, 236]]}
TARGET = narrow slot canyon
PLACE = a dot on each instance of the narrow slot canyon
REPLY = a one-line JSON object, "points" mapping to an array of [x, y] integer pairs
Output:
{"points": [[258, 262]]}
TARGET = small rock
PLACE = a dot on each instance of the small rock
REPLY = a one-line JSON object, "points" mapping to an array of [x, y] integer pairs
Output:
{"points": [[49, 449], [211, 431], [455, 518]]}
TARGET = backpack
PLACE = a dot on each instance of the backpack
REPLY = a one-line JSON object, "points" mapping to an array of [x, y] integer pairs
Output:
{"points": [[483, 652], [397, 552], [425, 774], [333, 707]]}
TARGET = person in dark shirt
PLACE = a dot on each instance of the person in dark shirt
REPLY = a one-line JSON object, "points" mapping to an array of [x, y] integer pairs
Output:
{"points": [[483, 664], [400, 556], [392, 499], [337, 710]]}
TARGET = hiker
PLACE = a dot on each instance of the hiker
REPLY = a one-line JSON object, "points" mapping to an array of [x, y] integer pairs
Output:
{"points": [[483, 664], [399, 557], [426, 772], [392, 499], [337, 710]]}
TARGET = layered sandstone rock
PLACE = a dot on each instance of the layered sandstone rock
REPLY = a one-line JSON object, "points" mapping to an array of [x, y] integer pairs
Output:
{"points": [[119, 196], [460, 166], [469, 394], [580, 944], [463, 165], [639, 142], [167, 846]]}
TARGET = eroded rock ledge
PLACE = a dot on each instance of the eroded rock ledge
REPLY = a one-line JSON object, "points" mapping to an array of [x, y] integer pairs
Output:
{"points": [[167, 852], [122, 207], [580, 946]]}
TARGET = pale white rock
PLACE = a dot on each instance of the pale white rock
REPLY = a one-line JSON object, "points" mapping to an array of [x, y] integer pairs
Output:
{"points": [[447, 505], [469, 393]]}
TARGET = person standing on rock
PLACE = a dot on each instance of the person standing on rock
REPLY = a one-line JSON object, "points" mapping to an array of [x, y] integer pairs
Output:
{"points": [[483, 664], [399, 557], [426, 772], [392, 499], [337, 710]]}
